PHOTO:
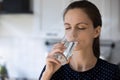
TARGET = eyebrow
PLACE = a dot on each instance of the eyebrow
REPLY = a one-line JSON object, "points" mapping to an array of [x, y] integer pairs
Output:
{"points": [[77, 23]]}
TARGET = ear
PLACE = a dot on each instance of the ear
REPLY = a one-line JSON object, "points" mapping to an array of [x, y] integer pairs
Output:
{"points": [[97, 31]]}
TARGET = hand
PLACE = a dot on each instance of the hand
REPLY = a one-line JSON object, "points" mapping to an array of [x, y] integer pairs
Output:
{"points": [[52, 64]]}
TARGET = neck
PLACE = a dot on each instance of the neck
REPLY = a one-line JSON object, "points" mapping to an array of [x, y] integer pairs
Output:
{"points": [[83, 60]]}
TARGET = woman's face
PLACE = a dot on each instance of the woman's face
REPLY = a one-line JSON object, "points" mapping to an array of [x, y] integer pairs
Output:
{"points": [[79, 28]]}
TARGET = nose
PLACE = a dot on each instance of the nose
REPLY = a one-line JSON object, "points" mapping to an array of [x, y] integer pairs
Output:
{"points": [[73, 35]]}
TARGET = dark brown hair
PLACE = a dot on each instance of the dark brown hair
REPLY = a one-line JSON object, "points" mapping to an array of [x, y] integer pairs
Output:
{"points": [[93, 13]]}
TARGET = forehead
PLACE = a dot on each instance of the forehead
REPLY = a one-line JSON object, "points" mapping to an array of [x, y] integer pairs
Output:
{"points": [[76, 15]]}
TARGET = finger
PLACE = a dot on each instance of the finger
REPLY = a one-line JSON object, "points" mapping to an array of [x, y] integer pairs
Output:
{"points": [[56, 51], [61, 48], [53, 60], [59, 45]]}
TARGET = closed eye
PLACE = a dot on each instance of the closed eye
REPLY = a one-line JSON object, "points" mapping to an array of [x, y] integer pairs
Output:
{"points": [[81, 28], [67, 28]]}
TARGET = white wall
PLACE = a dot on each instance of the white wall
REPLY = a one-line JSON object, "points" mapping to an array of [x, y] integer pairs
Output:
{"points": [[24, 56], [23, 51]]}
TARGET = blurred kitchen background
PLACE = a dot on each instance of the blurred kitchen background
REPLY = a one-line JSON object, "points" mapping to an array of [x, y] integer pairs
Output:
{"points": [[29, 28]]}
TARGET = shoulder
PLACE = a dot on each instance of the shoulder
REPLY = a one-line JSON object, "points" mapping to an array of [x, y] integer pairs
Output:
{"points": [[109, 68], [107, 65]]}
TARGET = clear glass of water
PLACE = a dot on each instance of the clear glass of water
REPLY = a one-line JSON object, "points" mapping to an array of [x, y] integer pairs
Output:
{"points": [[63, 58]]}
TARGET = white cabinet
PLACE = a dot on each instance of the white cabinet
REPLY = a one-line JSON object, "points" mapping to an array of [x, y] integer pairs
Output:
{"points": [[52, 23], [49, 17]]}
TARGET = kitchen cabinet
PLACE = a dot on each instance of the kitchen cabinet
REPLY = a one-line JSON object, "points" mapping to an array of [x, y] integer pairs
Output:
{"points": [[49, 17]]}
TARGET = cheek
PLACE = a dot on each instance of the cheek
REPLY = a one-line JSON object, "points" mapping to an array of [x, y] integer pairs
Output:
{"points": [[85, 38], [88, 37]]}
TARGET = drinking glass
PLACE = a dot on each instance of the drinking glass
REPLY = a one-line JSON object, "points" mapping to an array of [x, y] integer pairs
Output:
{"points": [[63, 58]]}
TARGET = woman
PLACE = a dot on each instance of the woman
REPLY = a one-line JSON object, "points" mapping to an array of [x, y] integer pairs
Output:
{"points": [[82, 22]]}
